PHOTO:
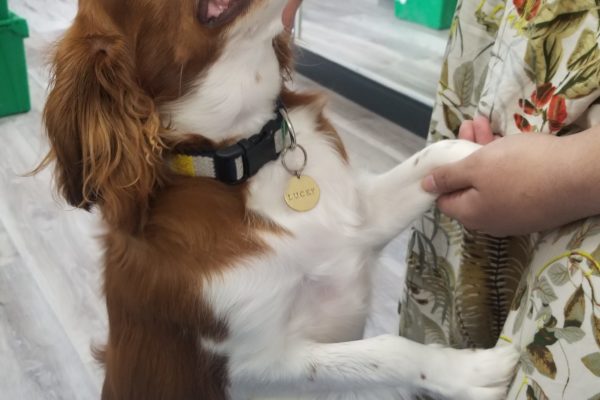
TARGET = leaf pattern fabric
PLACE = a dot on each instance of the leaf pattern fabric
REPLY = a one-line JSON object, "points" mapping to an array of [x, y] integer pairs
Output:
{"points": [[530, 66]]}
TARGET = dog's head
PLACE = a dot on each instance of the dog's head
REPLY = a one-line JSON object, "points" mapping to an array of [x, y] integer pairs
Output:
{"points": [[115, 68]]}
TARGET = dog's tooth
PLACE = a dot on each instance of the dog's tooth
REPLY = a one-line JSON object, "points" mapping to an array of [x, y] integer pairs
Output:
{"points": [[217, 7]]}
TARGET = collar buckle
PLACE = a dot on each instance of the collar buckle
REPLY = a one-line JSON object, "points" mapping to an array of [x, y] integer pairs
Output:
{"points": [[229, 164], [258, 152], [237, 163]]}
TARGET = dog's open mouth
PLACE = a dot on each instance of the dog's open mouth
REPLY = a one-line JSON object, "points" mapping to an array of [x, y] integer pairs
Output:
{"points": [[215, 13]]}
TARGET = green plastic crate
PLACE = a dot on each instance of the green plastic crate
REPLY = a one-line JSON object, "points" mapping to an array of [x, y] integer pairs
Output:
{"points": [[14, 88], [3, 9], [436, 14]]}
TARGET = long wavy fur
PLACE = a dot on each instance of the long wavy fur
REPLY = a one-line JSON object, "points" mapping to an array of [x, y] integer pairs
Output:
{"points": [[103, 129]]}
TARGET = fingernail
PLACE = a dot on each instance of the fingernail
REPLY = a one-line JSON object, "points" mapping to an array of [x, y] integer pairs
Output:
{"points": [[429, 184]]}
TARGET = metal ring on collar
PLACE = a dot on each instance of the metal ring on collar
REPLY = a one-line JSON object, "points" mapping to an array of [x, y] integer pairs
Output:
{"points": [[287, 168], [290, 127]]}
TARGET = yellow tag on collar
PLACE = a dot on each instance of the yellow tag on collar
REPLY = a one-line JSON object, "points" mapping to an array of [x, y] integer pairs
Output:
{"points": [[303, 193]]}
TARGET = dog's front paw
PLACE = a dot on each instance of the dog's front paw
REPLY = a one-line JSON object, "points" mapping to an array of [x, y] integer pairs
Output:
{"points": [[477, 374], [444, 152]]}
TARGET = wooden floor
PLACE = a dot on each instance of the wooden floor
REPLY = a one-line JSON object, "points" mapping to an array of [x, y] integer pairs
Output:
{"points": [[51, 310]]}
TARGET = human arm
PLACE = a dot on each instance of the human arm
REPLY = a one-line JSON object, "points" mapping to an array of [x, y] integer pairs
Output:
{"points": [[522, 183]]}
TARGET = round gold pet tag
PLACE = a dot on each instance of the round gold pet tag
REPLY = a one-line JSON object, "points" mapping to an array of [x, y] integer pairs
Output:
{"points": [[303, 193]]}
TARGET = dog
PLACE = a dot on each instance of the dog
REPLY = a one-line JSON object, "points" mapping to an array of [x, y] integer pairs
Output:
{"points": [[239, 240]]}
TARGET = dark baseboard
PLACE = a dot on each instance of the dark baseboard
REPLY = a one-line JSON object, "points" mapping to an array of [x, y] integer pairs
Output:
{"points": [[397, 107]]}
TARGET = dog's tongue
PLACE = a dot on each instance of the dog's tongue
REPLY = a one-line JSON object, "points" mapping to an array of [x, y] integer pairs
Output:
{"points": [[217, 7]]}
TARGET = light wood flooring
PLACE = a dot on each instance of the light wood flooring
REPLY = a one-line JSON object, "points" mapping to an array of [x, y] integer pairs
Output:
{"points": [[51, 310]]}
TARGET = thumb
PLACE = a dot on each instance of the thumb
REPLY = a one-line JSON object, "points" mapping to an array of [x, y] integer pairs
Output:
{"points": [[447, 179], [462, 206]]}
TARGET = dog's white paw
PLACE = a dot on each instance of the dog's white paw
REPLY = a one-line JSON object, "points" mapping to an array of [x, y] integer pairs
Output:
{"points": [[477, 374], [444, 152]]}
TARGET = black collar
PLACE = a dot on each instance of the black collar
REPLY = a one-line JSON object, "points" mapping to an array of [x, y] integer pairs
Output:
{"points": [[237, 163]]}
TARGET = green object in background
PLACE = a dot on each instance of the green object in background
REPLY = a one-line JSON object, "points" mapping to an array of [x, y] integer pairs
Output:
{"points": [[436, 14], [3, 9], [14, 88]]}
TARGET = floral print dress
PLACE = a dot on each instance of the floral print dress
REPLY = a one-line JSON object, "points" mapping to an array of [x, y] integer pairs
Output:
{"points": [[533, 67]]}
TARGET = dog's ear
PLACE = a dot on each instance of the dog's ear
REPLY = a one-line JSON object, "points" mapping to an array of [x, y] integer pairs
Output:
{"points": [[103, 128]]}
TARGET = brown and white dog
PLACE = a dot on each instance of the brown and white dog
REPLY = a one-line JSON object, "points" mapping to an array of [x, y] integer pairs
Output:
{"points": [[222, 291]]}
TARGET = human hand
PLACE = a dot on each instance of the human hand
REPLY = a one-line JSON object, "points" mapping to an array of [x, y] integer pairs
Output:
{"points": [[514, 185], [477, 130]]}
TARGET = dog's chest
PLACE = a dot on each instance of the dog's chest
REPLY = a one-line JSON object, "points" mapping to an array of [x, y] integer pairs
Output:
{"points": [[332, 308], [313, 282], [314, 286]]}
